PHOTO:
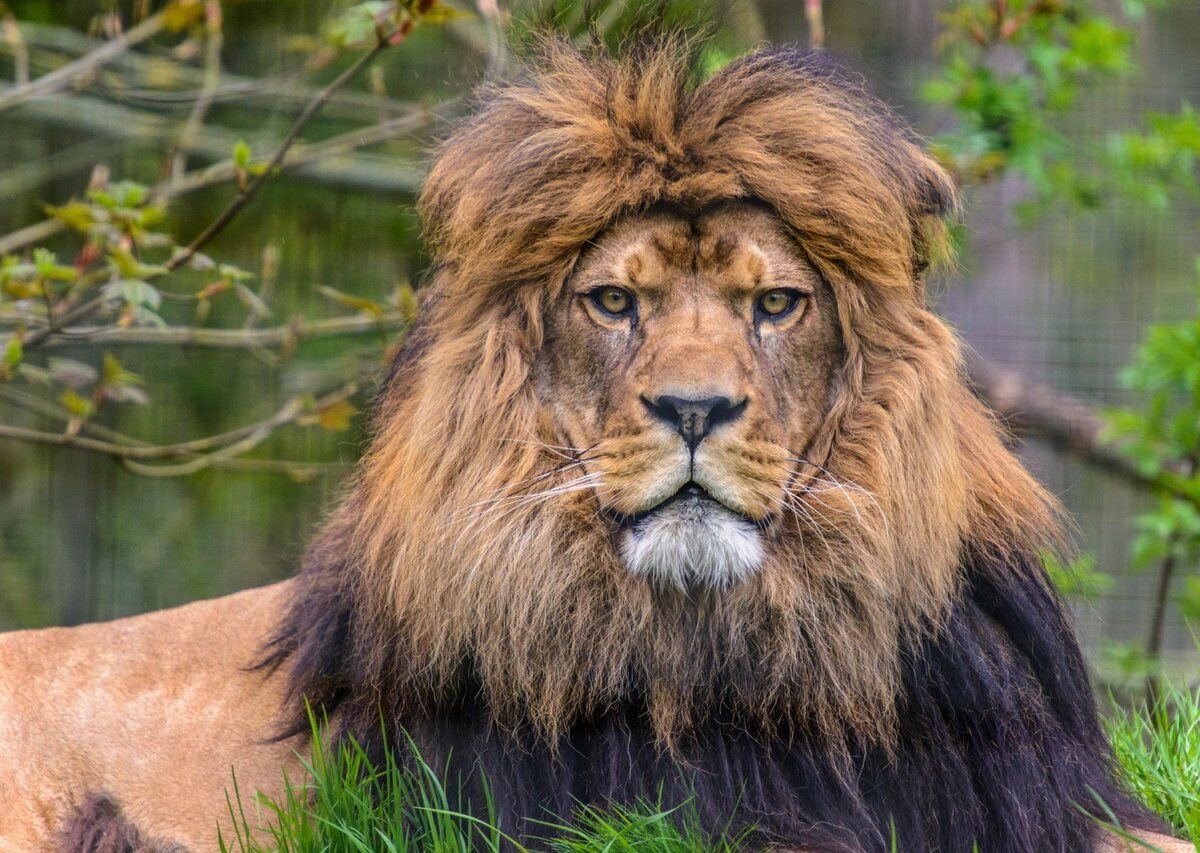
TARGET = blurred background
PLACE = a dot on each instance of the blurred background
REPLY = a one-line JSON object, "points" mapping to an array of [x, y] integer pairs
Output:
{"points": [[1060, 294]]}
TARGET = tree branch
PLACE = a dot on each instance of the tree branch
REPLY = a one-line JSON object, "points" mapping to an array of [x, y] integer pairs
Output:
{"points": [[214, 41], [1067, 423], [188, 336], [300, 158], [63, 77], [295, 470], [197, 454], [85, 309], [245, 197]]}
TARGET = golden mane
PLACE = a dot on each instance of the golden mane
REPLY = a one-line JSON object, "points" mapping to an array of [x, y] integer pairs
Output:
{"points": [[452, 570]]}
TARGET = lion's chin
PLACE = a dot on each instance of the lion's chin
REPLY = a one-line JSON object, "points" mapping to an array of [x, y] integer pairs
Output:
{"points": [[692, 541]]}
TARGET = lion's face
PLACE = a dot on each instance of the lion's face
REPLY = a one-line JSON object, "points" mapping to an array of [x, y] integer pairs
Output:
{"points": [[688, 363]]}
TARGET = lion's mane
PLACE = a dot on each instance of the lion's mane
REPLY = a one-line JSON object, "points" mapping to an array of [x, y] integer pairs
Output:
{"points": [[899, 662]]}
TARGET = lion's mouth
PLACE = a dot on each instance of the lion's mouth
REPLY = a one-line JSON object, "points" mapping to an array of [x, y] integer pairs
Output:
{"points": [[691, 499]]}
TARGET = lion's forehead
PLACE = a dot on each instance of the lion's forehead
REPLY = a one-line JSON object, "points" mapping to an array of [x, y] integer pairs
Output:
{"points": [[738, 247]]}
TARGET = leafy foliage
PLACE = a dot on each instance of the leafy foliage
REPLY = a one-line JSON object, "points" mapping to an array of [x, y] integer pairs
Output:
{"points": [[1015, 68]]}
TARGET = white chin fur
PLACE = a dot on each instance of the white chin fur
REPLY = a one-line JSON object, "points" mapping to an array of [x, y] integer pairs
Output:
{"points": [[691, 543]]}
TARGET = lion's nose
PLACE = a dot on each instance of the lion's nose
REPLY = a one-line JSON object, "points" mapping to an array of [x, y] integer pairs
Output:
{"points": [[694, 418]]}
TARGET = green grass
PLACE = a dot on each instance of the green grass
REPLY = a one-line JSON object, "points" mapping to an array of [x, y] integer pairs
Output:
{"points": [[346, 804], [1159, 749]]}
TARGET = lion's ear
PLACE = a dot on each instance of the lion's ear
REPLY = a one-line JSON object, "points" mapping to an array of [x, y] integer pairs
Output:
{"points": [[933, 218]]}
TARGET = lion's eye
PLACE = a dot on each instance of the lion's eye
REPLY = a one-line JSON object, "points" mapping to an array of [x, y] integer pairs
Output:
{"points": [[778, 303], [612, 300]]}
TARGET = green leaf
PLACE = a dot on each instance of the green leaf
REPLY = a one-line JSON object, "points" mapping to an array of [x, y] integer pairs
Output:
{"points": [[241, 154], [358, 26], [348, 300], [123, 194], [11, 359], [113, 373], [76, 215], [79, 407], [119, 385], [133, 292], [48, 268], [1077, 578], [1189, 599], [128, 265], [232, 273]]}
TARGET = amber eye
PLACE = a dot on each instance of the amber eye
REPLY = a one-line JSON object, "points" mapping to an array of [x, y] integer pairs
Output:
{"points": [[778, 302], [612, 300]]}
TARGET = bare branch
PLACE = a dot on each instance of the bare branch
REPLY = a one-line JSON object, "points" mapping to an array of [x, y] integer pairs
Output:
{"points": [[283, 89], [72, 71], [85, 309], [1067, 423], [214, 40], [296, 470], [188, 336], [30, 234], [197, 454], [317, 159]]}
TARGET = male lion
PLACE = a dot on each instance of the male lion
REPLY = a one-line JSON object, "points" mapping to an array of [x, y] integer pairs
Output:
{"points": [[676, 488]]}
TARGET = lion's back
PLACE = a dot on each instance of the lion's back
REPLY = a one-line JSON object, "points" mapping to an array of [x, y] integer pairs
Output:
{"points": [[144, 716]]}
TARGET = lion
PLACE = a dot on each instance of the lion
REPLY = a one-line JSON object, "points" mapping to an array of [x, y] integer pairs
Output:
{"points": [[676, 492]]}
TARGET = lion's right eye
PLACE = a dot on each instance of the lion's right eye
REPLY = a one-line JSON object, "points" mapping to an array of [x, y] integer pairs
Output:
{"points": [[614, 301]]}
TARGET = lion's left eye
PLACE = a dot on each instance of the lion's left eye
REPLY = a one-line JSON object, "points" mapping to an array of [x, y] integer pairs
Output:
{"points": [[614, 301], [778, 303]]}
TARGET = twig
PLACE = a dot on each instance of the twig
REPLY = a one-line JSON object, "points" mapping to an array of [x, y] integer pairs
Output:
{"points": [[180, 258], [298, 159], [296, 470], [245, 197], [187, 336], [198, 453], [87, 63], [276, 90], [30, 234], [214, 40], [20, 50]]}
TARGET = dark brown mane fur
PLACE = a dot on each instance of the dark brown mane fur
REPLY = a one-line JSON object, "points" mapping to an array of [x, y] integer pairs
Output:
{"points": [[908, 665]]}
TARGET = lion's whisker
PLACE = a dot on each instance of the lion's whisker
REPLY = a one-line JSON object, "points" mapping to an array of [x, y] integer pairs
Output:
{"points": [[804, 513], [843, 485]]}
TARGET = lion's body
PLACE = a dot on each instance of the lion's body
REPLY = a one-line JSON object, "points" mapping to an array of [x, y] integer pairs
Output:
{"points": [[149, 712], [676, 487]]}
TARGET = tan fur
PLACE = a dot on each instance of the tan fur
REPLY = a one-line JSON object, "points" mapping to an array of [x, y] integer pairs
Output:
{"points": [[153, 711]]}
